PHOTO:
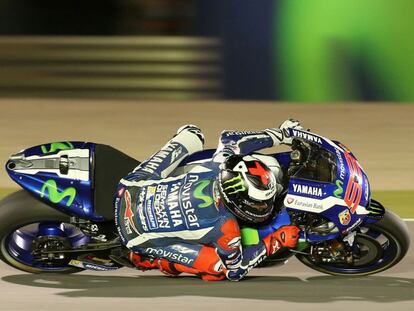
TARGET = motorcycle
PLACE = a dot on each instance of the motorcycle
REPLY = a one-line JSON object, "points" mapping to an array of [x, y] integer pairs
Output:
{"points": [[63, 218]]}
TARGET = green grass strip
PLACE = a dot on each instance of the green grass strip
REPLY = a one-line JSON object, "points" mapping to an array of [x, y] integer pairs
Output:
{"points": [[400, 202], [6, 191]]}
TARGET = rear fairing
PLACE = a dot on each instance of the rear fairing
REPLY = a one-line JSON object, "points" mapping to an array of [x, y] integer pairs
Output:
{"points": [[60, 174]]}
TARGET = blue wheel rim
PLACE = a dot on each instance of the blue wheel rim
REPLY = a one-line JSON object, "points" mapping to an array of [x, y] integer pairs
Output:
{"points": [[19, 243], [390, 251]]}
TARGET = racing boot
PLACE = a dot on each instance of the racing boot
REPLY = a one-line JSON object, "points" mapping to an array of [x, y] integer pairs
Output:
{"points": [[121, 256]]}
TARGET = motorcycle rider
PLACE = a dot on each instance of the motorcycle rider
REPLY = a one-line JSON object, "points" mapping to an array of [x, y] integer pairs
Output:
{"points": [[189, 222]]}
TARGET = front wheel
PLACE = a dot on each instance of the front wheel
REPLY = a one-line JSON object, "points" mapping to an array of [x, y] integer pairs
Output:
{"points": [[376, 248], [27, 224]]}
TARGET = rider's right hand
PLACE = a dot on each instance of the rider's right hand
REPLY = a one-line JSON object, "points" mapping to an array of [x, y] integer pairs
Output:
{"points": [[285, 126], [281, 134]]}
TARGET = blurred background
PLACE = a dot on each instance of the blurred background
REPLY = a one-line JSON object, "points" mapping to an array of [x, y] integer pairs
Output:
{"points": [[307, 51], [129, 73]]}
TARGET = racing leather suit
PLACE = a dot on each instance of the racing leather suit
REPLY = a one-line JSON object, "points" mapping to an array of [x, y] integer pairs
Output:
{"points": [[181, 219]]}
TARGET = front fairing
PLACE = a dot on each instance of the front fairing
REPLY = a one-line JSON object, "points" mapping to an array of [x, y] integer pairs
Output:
{"points": [[344, 199]]}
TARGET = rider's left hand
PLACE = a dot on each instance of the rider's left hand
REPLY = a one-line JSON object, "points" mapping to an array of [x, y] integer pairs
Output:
{"points": [[286, 236]]}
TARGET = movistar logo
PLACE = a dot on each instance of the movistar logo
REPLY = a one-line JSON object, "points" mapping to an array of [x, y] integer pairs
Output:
{"points": [[236, 183], [57, 146], [198, 193], [339, 190], [55, 196]]}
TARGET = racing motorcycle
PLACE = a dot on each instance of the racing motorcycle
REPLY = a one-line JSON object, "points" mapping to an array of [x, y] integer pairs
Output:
{"points": [[63, 218]]}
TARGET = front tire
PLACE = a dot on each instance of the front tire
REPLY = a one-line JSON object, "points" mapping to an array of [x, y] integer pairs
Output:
{"points": [[387, 242], [21, 210]]}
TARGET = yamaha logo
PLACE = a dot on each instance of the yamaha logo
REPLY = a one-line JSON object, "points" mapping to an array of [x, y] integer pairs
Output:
{"points": [[303, 189]]}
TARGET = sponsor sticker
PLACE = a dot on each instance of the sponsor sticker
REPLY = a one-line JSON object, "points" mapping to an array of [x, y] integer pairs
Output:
{"points": [[307, 136], [312, 205], [170, 255], [142, 218], [186, 204], [149, 210], [156, 160], [160, 206], [75, 263], [338, 193], [174, 206], [309, 190], [91, 266], [53, 147], [353, 191], [344, 217], [342, 170], [234, 185], [242, 133], [94, 267], [366, 192], [51, 189], [198, 193], [128, 214]]}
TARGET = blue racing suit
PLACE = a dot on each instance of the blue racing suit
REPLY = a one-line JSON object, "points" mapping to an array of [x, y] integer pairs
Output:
{"points": [[163, 215]]}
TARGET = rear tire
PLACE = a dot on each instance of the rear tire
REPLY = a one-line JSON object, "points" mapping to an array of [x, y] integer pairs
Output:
{"points": [[18, 210], [392, 227]]}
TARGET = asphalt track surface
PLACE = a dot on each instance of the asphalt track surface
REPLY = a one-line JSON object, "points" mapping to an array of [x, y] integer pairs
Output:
{"points": [[289, 287], [379, 134]]}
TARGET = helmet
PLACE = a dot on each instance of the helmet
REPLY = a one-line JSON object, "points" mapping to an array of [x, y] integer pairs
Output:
{"points": [[247, 187]]}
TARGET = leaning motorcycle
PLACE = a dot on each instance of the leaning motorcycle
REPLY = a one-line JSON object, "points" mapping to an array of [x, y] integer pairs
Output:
{"points": [[63, 218]]}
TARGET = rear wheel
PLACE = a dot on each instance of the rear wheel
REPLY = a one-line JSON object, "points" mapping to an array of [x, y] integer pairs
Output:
{"points": [[27, 225], [376, 248]]}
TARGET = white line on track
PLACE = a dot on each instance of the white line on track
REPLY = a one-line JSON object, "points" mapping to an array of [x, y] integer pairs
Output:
{"points": [[408, 219]]}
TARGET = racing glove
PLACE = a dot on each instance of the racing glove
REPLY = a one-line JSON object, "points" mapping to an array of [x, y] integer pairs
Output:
{"points": [[143, 263], [286, 236], [281, 135]]}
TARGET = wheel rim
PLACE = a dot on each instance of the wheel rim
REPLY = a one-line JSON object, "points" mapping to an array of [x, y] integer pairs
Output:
{"points": [[378, 251], [17, 246]]}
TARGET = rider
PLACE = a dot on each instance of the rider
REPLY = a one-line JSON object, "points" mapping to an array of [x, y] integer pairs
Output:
{"points": [[189, 221]]}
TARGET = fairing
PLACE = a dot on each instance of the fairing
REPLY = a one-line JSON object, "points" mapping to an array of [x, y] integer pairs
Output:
{"points": [[60, 174], [344, 200]]}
